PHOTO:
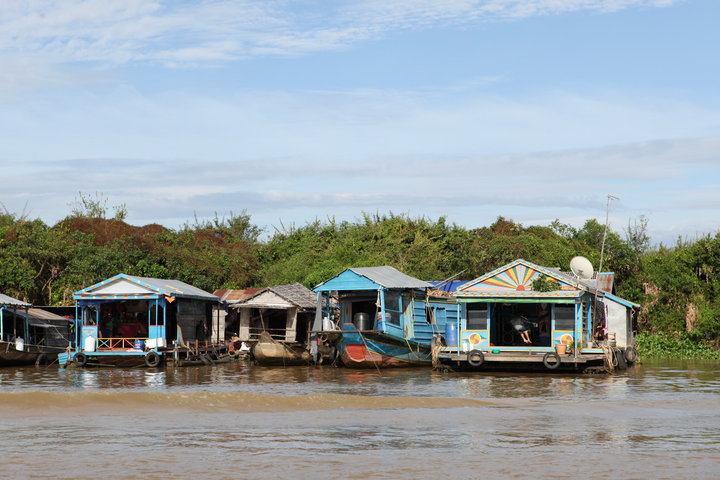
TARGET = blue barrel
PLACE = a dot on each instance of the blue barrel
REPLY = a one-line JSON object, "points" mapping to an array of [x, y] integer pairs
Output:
{"points": [[139, 344], [451, 334]]}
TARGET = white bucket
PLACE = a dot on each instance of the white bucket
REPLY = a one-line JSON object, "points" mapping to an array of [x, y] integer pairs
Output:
{"points": [[89, 345], [19, 344], [152, 343]]}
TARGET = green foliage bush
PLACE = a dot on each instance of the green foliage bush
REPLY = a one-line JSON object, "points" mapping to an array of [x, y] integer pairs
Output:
{"points": [[670, 346], [678, 287], [544, 284]]}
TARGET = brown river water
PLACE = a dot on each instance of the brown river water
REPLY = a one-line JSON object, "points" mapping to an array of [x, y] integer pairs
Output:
{"points": [[659, 420]]}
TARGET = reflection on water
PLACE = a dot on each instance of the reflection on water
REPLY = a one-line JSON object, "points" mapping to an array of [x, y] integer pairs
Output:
{"points": [[658, 420]]}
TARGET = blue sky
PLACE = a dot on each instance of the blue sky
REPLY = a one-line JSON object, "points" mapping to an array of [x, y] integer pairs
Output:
{"points": [[296, 110]]}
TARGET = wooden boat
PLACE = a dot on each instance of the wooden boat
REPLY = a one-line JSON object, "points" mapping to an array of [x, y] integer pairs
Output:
{"points": [[268, 351], [26, 335], [370, 349], [11, 355]]}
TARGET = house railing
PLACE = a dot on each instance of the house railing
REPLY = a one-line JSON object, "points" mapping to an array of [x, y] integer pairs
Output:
{"points": [[117, 343], [275, 333]]}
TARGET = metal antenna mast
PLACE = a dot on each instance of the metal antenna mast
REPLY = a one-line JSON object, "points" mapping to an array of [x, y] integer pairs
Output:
{"points": [[607, 222]]}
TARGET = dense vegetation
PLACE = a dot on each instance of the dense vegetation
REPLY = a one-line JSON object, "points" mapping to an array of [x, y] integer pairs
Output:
{"points": [[678, 286]]}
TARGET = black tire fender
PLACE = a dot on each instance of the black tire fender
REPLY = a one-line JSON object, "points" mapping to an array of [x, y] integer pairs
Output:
{"points": [[475, 358], [80, 359], [551, 365], [631, 354], [152, 359]]}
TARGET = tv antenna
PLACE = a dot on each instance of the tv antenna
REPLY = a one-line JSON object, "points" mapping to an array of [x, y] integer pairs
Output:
{"points": [[607, 222]]}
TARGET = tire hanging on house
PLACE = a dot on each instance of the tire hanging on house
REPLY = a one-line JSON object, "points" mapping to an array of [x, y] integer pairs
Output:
{"points": [[80, 359], [152, 359], [551, 365], [630, 354], [475, 358]]}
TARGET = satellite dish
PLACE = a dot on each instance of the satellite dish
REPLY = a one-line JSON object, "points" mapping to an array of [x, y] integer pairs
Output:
{"points": [[581, 267]]}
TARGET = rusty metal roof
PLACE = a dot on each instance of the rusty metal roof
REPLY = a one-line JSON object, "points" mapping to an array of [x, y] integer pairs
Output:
{"points": [[234, 295], [44, 314]]}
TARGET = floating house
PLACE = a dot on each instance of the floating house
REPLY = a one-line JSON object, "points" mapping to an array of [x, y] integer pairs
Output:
{"points": [[276, 321], [229, 318], [523, 315], [29, 335], [129, 320], [379, 317]]}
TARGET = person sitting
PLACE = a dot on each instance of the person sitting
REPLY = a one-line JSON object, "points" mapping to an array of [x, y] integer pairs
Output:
{"points": [[141, 329], [127, 330], [522, 326], [235, 343]]}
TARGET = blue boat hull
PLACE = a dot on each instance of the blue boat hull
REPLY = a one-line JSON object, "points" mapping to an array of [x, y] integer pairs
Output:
{"points": [[373, 350]]}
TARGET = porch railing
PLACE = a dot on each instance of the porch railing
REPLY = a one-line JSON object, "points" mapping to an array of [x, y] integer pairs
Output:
{"points": [[117, 343], [275, 333]]}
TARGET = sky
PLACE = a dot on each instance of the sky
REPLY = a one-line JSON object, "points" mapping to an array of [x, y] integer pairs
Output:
{"points": [[534, 110]]}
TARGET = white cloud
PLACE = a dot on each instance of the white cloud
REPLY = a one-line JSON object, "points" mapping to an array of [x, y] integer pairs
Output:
{"points": [[186, 33], [672, 182]]}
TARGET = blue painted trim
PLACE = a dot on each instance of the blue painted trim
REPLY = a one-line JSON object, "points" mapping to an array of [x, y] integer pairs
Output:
{"points": [[347, 280], [116, 353], [117, 297], [621, 301], [85, 292]]}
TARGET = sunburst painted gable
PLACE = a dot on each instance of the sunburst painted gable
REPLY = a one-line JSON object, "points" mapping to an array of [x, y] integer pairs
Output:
{"points": [[516, 276]]}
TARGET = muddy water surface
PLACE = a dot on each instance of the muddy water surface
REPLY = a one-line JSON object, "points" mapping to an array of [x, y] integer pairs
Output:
{"points": [[658, 420]]}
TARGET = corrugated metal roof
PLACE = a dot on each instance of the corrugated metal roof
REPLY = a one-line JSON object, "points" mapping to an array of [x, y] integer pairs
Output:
{"points": [[14, 302], [622, 301], [390, 277], [39, 318], [173, 288], [177, 288], [44, 314], [589, 283], [234, 295]]}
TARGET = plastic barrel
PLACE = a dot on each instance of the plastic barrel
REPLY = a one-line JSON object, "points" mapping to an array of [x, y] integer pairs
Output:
{"points": [[451, 334], [89, 344], [362, 321]]}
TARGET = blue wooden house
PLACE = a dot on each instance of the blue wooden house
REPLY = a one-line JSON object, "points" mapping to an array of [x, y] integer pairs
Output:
{"points": [[380, 317], [508, 320], [129, 320]]}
